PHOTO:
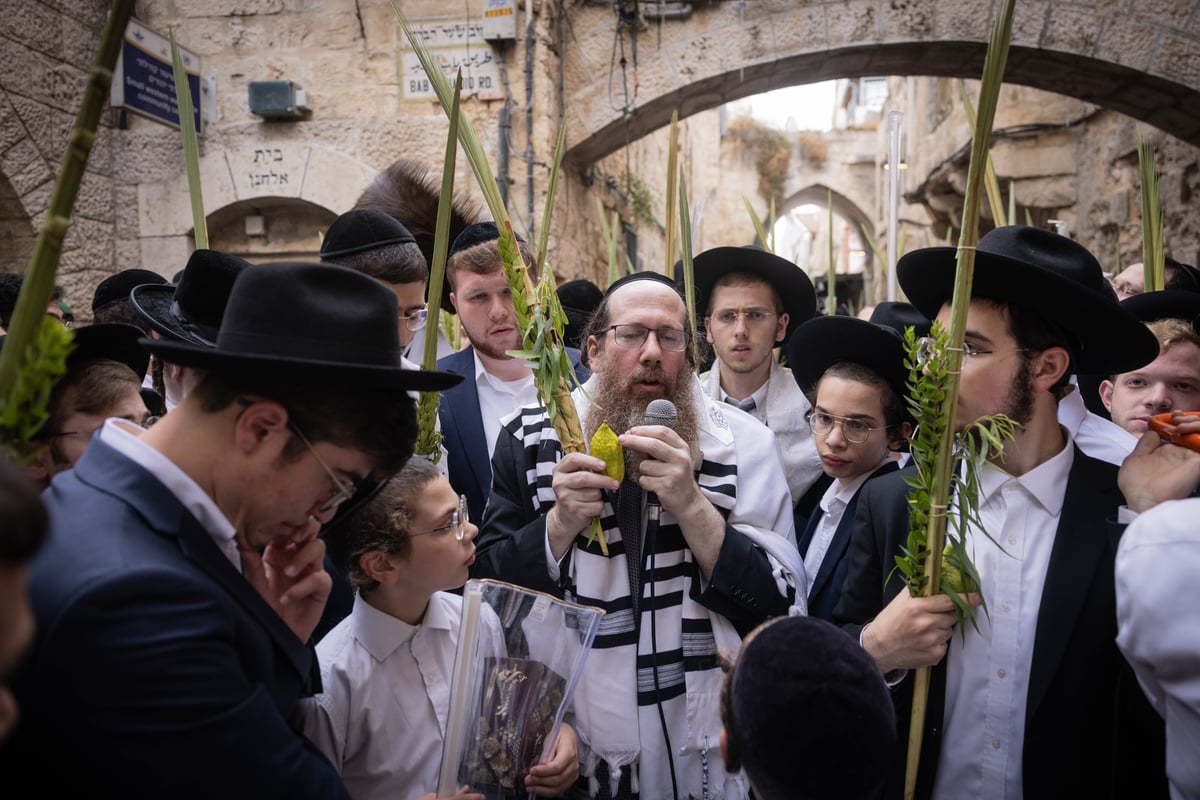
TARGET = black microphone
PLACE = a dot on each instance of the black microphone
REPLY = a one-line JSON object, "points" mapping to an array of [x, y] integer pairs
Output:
{"points": [[658, 412]]}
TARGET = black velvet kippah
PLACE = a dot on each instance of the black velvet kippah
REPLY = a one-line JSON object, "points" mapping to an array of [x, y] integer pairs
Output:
{"points": [[478, 233], [640, 276], [361, 230], [810, 709]]}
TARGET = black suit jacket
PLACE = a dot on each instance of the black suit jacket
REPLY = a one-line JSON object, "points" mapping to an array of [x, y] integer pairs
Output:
{"points": [[1089, 732], [825, 588], [468, 459]]}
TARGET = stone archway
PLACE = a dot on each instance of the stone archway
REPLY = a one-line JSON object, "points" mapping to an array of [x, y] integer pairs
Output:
{"points": [[297, 190], [1140, 57]]}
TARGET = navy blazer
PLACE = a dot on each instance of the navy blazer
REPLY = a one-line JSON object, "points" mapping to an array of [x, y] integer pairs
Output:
{"points": [[1089, 731], [825, 588], [468, 453], [157, 670]]}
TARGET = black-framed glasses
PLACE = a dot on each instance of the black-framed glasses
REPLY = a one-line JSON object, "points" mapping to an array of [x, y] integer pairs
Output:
{"points": [[631, 335], [854, 430], [343, 489], [458, 521], [416, 320], [753, 316]]}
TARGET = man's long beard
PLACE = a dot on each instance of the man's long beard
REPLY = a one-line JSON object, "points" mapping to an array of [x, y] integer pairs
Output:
{"points": [[615, 403]]}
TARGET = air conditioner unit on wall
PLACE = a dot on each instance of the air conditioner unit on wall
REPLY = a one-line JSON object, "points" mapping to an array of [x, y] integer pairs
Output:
{"points": [[278, 100]]}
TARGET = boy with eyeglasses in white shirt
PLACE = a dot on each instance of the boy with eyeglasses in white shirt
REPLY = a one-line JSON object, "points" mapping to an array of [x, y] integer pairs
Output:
{"points": [[387, 669]]}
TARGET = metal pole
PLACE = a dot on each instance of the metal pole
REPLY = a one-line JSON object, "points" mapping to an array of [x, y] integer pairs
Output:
{"points": [[895, 123]]}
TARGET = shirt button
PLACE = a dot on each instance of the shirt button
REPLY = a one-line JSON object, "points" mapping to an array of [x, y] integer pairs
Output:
{"points": [[1012, 540], [995, 744], [1001, 672], [1007, 607]]}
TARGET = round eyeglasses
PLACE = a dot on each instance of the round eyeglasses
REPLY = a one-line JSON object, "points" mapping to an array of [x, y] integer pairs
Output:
{"points": [[458, 521], [854, 430], [633, 335], [416, 320]]}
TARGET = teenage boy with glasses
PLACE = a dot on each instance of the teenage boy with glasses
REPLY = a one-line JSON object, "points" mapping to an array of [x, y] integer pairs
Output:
{"points": [[403, 551], [751, 301], [853, 373]]}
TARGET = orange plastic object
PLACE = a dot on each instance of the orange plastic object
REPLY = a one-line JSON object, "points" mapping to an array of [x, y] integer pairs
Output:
{"points": [[1163, 425]]}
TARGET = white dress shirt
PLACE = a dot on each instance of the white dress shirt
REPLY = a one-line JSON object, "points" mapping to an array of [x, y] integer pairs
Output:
{"points": [[833, 507], [498, 399], [382, 716], [122, 436], [1158, 600], [987, 670]]}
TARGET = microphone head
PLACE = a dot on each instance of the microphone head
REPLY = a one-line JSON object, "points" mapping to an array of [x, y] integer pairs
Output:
{"points": [[660, 412]]}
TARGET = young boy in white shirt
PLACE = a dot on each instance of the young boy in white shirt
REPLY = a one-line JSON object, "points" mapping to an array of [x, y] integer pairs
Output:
{"points": [[387, 669]]}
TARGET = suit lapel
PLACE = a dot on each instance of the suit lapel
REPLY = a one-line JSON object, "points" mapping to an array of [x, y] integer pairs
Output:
{"points": [[106, 470], [841, 537], [1079, 544], [462, 407]]}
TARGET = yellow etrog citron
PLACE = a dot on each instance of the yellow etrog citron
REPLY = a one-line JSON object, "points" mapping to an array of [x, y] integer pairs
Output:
{"points": [[604, 446]]}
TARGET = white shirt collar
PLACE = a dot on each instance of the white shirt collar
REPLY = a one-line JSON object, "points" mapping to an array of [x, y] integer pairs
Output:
{"points": [[122, 436], [1045, 482], [381, 633]]}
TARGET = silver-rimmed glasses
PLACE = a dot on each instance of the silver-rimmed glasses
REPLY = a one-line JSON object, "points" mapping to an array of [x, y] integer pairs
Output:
{"points": [[343, 489], [458, 521]]}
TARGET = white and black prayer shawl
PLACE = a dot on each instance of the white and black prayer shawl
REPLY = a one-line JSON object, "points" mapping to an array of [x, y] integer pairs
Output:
{"points": [[689, 636]]}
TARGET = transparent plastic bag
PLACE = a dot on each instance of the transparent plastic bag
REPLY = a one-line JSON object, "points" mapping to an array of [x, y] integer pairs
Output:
{"points": [[520, 656]]}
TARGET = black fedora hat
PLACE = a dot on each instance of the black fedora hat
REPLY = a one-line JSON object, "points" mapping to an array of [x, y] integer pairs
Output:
{"points": [[191, 311], [117, 287], [898, 316], [319, 321], [793, 286], [824, 341], [360, 230], [1167, 304], [1047, 274], [112, 340]]}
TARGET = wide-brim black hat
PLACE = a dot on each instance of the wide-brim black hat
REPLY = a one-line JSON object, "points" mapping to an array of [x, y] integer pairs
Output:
{"points": [[117, 287], [1047, 274], [795, 290], [191, 311], [312, 322], [361, 230], [115, 341], [1148, 307], [824, 341], [899, 316]]}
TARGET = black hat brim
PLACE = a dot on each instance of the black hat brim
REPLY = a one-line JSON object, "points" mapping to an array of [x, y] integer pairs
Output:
{"points": [[367, 376], [795, 290], [156, 304], [1109, 339], [824, 341], [1167, 304]]}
